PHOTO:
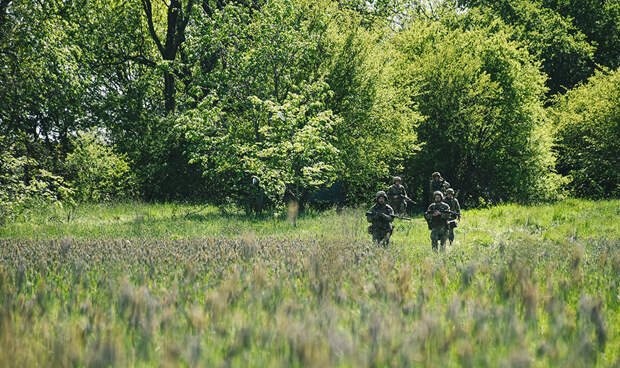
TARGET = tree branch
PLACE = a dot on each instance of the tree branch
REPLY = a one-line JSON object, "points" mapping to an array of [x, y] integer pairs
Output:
{"points": [[182, 24], [188, 13], [148, 10]]}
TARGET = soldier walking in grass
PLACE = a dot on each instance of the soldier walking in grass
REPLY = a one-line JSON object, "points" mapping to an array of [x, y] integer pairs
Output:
{"points": [[455, 207], [397, 196], [437, 216], [381, 216], [437, 184]]}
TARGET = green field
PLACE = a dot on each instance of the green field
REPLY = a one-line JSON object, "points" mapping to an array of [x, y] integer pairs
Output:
{"points": [[166, 284]]}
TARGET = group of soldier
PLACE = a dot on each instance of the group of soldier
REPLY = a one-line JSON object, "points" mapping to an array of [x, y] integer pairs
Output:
{"points": [[442, 215]]}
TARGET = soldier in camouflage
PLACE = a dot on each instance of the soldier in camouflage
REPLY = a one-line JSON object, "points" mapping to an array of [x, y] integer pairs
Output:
{"points": [[437, 184], [380, 215], [397, 196], [437, 216], [455, 207]]}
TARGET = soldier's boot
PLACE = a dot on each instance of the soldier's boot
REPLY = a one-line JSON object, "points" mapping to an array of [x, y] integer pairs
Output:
{"points": [[380, 238], [386, 239]]}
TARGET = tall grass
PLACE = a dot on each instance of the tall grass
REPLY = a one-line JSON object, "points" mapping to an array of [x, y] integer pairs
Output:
{"points": [[141, 285], [170, 221]]}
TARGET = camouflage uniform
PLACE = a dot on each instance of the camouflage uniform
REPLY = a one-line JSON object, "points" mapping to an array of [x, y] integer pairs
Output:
{"points": [[438, 224], [256, 197], [381, 228], [397, 190], [437, 185], [455, 207]]}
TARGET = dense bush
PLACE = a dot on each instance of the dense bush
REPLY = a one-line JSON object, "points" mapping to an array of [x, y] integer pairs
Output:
{"points": [[588, 136], [599, 21], [98, 173], [376, 130], [288, 146], [24, 185], [481, 98]]}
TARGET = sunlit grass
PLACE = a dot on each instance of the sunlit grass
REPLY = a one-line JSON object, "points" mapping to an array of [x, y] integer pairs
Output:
{"points": [[167, 284], [571, 218]]}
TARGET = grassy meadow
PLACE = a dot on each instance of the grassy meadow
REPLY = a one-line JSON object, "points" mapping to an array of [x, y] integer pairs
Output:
{"points": [[138, 284]]}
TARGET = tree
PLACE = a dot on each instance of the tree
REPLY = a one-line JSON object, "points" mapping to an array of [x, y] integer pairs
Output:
{"points": [[599, 21], [177, 17], [481, 98], [588, 136], [18, 195], [278, 59], [41, 88], [269, 61], [376, 130], [97, 173], [566, 56]]}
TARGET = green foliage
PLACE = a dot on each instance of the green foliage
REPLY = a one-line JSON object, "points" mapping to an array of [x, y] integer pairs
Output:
{"points": [[599, 21], [264, 53], [287, 145], [41, 92], [523, 285], [562, 49], [588, 136], [299, 106], [295, 147], [25, 186], [188, 91], [265, 101], [161, 162], [481, 97], [376, 132], [97, 172]]}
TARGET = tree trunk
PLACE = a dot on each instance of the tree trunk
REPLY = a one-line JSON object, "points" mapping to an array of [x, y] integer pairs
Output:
{"points": [[177, 19], [169, 92]]}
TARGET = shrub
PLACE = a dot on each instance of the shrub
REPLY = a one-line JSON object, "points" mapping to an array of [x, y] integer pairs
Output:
{"points": [[588, 136], [481, 97], [97, 172], [290, 147], [25, 185]]}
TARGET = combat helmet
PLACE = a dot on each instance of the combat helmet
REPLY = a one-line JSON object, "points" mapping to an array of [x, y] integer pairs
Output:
{"points": [[450, 191], [397, 178], [381, 194], [438, 193]]}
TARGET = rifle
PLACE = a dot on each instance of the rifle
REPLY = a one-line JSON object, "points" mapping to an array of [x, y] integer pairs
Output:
{"points": [[400, 196], [401, 217], [372, 213], [451, 223], [442, 211]]}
